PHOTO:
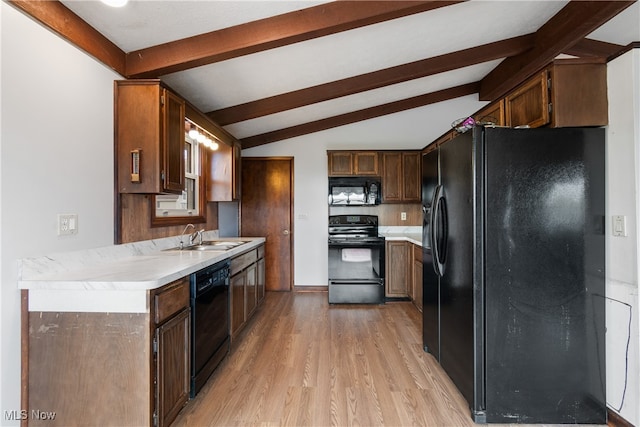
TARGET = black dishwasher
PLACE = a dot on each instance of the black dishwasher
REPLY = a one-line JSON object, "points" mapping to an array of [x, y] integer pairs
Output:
{"points": [[209, 322]]}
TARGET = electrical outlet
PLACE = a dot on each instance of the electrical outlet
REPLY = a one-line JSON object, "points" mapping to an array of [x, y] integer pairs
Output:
{"points": [[403, 216], [67, 224]]}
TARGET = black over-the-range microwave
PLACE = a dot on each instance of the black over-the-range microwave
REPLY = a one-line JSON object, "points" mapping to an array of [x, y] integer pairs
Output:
{"points": [[354, 191]]}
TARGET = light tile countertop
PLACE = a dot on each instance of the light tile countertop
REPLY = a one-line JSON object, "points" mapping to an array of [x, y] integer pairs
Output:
{"points": [[115, 278], [409, 234]]}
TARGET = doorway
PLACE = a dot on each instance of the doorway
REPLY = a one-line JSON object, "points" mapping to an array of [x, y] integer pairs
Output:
{"points": [[266, 210]]}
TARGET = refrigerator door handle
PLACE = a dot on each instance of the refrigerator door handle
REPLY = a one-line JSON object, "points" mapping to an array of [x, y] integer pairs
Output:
{"points": [[439, 222], [432, 233]]}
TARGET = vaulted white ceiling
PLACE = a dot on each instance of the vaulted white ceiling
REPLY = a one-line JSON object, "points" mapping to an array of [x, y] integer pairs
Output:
{"points": [[329, 58]]}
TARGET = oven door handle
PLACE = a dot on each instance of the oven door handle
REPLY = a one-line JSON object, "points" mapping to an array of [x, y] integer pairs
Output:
{"points": [[355, 282], [356, 245]]}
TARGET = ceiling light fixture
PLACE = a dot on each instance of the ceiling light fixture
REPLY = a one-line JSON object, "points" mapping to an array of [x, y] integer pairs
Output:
{"points": [[193, 132], [196, 133], [115, 3]]}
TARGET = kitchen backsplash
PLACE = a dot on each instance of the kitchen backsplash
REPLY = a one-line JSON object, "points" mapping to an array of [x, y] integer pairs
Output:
{"points": [[388, 214]]}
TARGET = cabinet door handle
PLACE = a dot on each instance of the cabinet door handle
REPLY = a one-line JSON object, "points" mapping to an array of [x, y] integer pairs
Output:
{"points": [[286, 232]]}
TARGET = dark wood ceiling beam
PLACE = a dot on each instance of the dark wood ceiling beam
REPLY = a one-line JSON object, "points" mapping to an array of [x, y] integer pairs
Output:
{"points": [[564, 30], [59, 19], [625, 49], [360, 115], [373, 80], [593, 48], [268, 33]]}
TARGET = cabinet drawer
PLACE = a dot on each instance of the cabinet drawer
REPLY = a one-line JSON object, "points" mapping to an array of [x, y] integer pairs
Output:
{"points": [[171, 299], [241, 262]]}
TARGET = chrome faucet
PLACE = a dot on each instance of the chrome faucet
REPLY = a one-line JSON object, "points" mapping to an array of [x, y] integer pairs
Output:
{"points": [[196, 235], [182, 235]]}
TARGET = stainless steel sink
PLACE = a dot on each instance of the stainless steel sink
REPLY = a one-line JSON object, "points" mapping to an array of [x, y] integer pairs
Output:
{"points": [[210, 245], [204, 248], [227, 243]]}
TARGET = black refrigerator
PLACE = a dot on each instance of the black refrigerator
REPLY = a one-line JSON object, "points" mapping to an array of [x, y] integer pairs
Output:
{"points": [[514, 280]]}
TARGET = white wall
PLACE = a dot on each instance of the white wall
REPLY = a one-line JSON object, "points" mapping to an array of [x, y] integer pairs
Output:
{"points": [[56, 145], [623, 182], [418, 127]]}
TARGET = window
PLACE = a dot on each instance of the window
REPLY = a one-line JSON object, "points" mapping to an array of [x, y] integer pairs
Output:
{"points": [[187, 203]]}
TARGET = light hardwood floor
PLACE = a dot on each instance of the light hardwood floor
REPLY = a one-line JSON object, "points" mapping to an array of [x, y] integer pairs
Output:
{"points": [[302, 362]]}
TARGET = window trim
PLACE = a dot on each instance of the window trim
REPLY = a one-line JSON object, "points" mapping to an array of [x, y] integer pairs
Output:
{"points": [[164, 221]]}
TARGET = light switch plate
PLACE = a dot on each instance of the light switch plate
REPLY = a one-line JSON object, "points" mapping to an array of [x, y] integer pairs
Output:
{"points": [[620, 225]]}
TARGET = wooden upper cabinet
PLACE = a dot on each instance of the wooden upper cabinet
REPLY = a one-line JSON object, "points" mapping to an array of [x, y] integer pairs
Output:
{"points": [[348, 163], [392, 176], [529, 104], [492, 113], [401, 176], [578, 94], [224, 173], [366, 163], [447, 136], [236, 187], [173, 142], [567, 93], [412, 180], [221, 167], [340, 163], [149, 137]]}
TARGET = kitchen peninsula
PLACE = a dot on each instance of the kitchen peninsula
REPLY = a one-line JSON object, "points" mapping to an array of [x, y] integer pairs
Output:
{"points": [[108, 338]]}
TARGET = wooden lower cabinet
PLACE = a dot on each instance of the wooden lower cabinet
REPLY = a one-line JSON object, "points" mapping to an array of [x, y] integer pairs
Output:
{"points": [[172, 367], [124, 369], [261, 285], [250, 293], [236, 305], [404, 271], [416, 296], [247, 287], [397, 272]]}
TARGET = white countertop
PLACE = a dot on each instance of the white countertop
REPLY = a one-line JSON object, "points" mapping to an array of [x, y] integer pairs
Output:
{"points": [[409, 234], [414, 238], [113, 279]]}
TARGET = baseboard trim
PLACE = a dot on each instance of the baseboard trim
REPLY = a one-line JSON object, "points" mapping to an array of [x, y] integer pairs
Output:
{"points": [[310, 288], [615, 420]]}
